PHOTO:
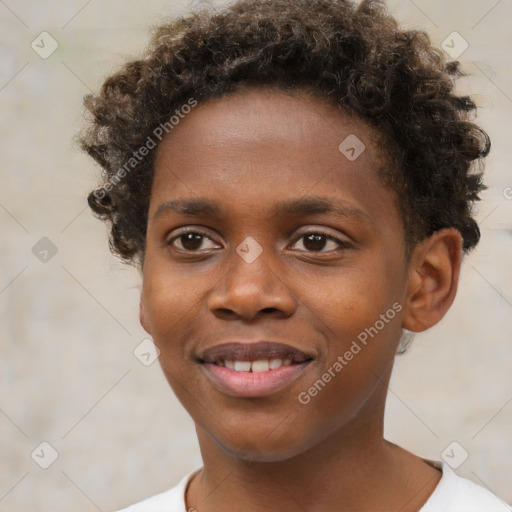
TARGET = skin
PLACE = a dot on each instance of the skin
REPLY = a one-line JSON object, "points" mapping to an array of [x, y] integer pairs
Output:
{"points": [[248, 152]]}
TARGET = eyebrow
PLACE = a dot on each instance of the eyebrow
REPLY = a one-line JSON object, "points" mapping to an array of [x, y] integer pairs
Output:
{"points": [[316, 205], [292, 207], [194, 207]]}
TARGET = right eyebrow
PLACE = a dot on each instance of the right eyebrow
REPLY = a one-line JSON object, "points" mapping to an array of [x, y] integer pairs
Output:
{"points": [[196, 207]]}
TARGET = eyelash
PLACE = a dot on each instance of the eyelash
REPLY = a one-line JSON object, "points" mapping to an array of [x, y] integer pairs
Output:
{"points": [[341, 243], [186, 231]]}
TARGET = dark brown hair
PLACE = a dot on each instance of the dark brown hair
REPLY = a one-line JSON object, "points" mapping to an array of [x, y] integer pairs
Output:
{"points": [[355, 56]]}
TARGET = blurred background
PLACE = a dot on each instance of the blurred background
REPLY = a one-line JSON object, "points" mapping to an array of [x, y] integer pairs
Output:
{"points": [[86, 423]]}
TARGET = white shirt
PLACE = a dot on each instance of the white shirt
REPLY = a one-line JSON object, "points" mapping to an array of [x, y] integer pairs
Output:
{"points": [[452, 494]]}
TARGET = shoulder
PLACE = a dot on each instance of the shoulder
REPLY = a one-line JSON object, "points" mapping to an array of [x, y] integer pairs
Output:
{"points": [[172, 500], [456, 494]]}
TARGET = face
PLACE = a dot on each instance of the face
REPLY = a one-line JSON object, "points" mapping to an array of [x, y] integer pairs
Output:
{"points": [[274, 272]]}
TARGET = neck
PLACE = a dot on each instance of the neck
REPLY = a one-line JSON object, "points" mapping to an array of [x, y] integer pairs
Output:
{"points": [[325, 475], [353, 468]]}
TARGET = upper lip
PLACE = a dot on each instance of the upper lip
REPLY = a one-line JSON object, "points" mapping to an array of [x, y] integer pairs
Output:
{"points": [[252, 351]]}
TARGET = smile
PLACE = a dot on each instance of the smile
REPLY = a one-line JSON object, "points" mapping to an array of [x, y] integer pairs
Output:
{"points": [[250, 370], [261, 365]]}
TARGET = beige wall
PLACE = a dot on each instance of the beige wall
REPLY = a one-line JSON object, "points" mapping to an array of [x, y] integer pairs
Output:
{"points": [[69, 325]]}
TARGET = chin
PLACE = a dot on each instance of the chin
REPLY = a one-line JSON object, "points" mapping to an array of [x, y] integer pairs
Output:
{"points": [[255, 451], [258, 445]]}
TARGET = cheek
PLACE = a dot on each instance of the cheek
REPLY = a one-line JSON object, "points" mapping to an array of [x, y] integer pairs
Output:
{"points": [[169, 290], [170, 300], [355, 298], [352, 378], [171, 306], [359, 315]]}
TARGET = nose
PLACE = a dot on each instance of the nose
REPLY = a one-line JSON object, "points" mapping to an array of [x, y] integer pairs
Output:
{"points": [[249, 290]]}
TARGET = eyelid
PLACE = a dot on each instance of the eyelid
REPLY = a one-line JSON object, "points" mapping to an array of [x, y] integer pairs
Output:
{"points": [[343, 244], [183, 231]]}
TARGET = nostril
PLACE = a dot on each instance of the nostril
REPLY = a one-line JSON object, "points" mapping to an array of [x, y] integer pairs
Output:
{"points": [[269, 310]]}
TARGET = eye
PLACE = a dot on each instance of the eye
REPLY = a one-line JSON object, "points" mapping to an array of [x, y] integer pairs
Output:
{"points": [[191, 241], [320, 242]]}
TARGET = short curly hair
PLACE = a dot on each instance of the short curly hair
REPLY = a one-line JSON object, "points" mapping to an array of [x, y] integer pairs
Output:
{"points": [[356, 56]]}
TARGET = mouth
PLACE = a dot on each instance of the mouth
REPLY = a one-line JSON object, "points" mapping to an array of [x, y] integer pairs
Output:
{"points": [[248, 370]]}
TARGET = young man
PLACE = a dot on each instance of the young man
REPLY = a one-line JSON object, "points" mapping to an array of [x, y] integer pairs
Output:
{"points": [[295, 181]]}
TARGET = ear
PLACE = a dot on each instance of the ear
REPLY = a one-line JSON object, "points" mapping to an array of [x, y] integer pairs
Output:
{"points": [[433, 279], [143, 315]]}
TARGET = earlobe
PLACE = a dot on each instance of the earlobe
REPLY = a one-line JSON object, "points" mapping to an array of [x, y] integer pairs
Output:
{"points": [[433, 279], [143, 316]]}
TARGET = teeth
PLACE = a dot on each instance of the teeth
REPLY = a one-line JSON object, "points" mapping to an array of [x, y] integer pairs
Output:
{"points": [[242, 366], [275, 363], [260, 366]]}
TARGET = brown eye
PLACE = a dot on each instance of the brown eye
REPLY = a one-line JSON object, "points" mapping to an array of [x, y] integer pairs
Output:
{"points": [[192, 241], [314, 242], [320, 242]]}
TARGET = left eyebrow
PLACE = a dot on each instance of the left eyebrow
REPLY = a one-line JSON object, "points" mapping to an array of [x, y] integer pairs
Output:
{"points": [[318, 205]]}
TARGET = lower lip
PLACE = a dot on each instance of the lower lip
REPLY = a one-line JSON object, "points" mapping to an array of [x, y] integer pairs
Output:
{"points": [[252, 384]]}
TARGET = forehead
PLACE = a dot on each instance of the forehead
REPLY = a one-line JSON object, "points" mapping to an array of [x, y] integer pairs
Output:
{"points": [[252, 115], [266, 144]]}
